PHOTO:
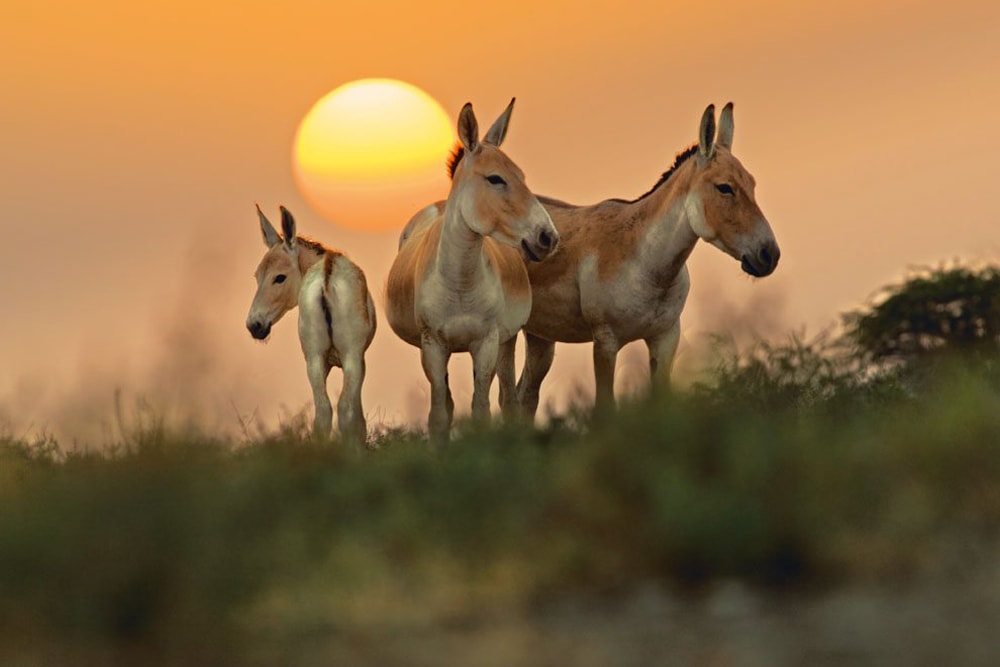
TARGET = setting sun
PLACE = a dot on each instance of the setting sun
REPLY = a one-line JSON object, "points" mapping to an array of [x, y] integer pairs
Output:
{"points": [[370, 153]]}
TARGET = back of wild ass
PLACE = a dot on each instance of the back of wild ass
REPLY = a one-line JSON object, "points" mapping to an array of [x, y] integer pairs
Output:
{"points": [[458, 283], [336, 317], [620, 273]]}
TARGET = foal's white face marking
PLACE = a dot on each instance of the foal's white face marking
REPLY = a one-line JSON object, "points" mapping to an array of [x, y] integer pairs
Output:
{"points": [[278, 277]]}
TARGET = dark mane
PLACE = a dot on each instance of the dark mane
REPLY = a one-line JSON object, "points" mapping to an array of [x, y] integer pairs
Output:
{"points": [[456, 156], [679, 159], [309, 244]]}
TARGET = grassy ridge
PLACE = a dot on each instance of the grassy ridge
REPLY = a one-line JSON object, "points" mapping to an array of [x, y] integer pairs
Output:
{"points": [[784, 472]]}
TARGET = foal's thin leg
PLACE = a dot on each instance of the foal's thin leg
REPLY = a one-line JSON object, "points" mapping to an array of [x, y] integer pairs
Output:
{"points": [[350, 414], [605, 357], [538, 355], [434, 358], [484, 366], [662, 349], [318, 370], [505, 373]]}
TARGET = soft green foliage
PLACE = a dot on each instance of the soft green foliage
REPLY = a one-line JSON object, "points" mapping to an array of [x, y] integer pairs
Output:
{"points": [[186, 546], [953, 309]]}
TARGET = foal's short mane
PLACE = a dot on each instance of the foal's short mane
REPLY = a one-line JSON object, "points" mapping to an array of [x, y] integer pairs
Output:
{"points": [[456, 156], [679, 159], [309, 244]]}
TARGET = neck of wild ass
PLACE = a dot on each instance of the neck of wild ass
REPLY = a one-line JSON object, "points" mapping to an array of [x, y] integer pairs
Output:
{"points": [[460, 257], [668, 231]]}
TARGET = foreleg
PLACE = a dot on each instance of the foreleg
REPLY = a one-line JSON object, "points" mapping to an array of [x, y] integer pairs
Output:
{"points": [[605, 357], [662, 350], [538, 355], [484, 366], [434, 359], [505, 373]]}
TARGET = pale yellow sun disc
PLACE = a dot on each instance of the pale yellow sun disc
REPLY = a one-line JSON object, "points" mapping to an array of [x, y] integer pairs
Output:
{"points": [[373, 151]]}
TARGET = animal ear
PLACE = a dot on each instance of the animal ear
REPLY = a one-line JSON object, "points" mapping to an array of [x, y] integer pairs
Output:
{"points": [[271, 237], [706, 135], [288, 228], [725, 137], [498, 131], [468, 129]]}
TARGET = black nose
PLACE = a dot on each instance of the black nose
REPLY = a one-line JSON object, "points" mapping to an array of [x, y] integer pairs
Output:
{"points": [[258, 330], [546, 242], [768, 256], [763, 262]]}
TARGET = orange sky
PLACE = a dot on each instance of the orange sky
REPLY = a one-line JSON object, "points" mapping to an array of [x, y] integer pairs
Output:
{"points": [[136, 138]]}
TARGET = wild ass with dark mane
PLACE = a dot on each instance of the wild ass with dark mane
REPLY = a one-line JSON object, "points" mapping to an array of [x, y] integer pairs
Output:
{"points": [[459, 282], [620, 273]]}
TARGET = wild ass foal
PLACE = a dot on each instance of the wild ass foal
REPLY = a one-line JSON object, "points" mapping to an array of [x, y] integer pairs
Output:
{"points": [[620, 273], [459, 282], [336, 317]]}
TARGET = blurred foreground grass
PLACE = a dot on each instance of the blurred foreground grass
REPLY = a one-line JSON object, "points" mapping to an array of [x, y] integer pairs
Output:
{"points": [[783, 472]]}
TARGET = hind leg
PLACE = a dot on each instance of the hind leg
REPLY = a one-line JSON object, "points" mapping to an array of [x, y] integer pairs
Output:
{"points": [[350, 413], [318, 370], [538, 357]]}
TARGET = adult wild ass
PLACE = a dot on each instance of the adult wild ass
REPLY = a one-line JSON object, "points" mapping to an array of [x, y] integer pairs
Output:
{"points": [[620, 273], [336, 317], [458, 283]]}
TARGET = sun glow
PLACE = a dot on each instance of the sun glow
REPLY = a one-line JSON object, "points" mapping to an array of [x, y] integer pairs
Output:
{"points": [[371, 153]]}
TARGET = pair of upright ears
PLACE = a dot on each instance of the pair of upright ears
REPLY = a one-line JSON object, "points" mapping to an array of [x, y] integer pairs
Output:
{"points": [[271, 236], [707, 137], [468, 128]]}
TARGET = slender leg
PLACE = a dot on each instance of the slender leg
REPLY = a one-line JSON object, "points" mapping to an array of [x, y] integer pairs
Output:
{"points": [[661, 357], [434, 358], [484, 366], [318, 370], [350, 413], [505, 373], [605, 356], [449, 402], [538, 357]]}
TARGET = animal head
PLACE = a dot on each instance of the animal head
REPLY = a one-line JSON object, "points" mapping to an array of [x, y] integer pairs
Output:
{"points": [[278, 276], [720, 203], [490, 193]]}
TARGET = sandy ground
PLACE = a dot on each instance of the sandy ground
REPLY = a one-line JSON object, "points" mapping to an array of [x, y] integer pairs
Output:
{"points": [[953, 621]]}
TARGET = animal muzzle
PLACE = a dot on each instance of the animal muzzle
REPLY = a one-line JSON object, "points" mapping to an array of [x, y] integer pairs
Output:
{"points": [[259, 330], [762, 261], [541, 245]]}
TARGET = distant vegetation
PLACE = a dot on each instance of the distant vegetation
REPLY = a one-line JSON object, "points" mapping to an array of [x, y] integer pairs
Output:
{"points": [[872, 455]]}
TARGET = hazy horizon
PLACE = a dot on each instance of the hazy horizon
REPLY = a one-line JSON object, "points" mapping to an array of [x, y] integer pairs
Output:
{"points": [[138, 139]]}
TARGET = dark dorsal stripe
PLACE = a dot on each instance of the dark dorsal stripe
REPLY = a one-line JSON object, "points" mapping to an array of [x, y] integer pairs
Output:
{"points": [[456, 156], [328, 260], [326, 313], [328, 267]]}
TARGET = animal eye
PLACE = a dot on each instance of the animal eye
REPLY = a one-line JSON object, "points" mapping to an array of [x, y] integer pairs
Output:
{"points": [[496, 180], [724, 188], [280, 278]]}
